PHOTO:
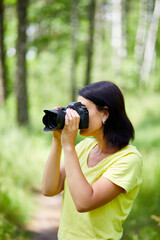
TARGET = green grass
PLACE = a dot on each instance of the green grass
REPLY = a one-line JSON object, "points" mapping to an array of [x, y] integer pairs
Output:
{"points": [[24, 152]]}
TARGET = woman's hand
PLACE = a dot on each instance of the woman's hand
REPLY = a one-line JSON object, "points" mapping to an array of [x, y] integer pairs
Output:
{"points": [[69, 133]]}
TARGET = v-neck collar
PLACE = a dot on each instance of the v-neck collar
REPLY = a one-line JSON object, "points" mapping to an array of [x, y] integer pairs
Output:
{"points": [[94, 143]]}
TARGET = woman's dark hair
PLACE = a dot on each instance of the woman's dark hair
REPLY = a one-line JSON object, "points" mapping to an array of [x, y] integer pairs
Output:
{"points": [[118, 129]]}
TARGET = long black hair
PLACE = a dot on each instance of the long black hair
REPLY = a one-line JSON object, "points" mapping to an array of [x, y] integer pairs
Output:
{"points": [[118, 129]]}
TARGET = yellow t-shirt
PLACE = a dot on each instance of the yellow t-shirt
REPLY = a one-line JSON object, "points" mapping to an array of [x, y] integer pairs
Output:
{"points": [[124, 168]]}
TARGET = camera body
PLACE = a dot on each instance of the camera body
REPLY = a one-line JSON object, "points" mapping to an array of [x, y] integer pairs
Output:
{"points": [[55, 119]]}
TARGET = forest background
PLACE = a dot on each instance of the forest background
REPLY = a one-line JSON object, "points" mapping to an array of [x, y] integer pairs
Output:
{"points": [[48, 50]]}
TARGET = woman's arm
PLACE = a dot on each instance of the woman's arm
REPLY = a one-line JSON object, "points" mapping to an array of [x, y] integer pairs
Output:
{"points": [[85, 196], [54, 175]]}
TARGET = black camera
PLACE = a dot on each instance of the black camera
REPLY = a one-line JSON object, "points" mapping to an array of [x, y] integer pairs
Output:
{"points": [[55, 119]]}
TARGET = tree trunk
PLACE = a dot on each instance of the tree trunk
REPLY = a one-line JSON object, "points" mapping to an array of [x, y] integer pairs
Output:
{"points": [[74, 50], [150, 44], [3, 87], [21, 84], [141, 34], [123, 52], [99, 39], [92, 8], [118, 33]]}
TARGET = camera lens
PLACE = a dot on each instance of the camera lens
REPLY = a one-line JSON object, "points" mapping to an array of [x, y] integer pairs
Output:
{"points": [[52, 120]]}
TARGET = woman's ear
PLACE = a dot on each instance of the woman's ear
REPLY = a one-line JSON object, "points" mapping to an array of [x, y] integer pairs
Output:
{"points": [[106, 111], [105, 115]]}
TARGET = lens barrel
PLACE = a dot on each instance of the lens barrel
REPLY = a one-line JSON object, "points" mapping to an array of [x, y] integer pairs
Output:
{"points": [[53, 120]]}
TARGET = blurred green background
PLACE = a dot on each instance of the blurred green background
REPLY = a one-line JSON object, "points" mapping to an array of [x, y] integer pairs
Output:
{"points": [[69, 44]]}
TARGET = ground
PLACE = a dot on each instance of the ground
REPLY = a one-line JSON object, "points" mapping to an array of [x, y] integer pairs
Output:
{"points": [[45, 222]]}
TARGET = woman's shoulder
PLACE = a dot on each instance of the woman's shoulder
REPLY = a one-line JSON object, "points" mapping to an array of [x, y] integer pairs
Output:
{"points": [[127, 156], [131, 149], [130, 156]]}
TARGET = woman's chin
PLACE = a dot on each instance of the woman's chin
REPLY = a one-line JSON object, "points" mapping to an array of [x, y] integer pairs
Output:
{"points": [[83, 132]]}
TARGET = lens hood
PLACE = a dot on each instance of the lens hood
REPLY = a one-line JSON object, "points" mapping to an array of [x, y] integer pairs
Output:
{"points": [[53, 119]]}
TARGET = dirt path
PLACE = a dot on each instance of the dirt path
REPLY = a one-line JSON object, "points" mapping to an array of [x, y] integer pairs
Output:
{"points": [[45, 222]]}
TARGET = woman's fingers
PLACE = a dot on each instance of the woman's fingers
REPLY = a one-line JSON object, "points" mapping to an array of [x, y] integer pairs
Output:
{"points": [[56, 108], [72, 118]]}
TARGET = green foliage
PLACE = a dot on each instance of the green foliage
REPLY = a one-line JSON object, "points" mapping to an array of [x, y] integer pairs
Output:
{"points": [[20, 161], [10, 2], [144, 110], [51, 31], [9, 231]]}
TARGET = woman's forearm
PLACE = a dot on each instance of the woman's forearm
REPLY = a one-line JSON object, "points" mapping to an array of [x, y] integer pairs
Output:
{"points": [[53, 177], [80, 189]]}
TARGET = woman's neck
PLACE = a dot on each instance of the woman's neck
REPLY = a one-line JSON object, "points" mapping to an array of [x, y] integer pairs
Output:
{"points": [[103, 147]]}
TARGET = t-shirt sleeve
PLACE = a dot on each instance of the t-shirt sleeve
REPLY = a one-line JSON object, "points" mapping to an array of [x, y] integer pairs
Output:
{"points": [[126, 172]]}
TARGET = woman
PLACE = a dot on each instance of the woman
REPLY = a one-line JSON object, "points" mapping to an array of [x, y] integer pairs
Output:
{"points": [[101, 175]]}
